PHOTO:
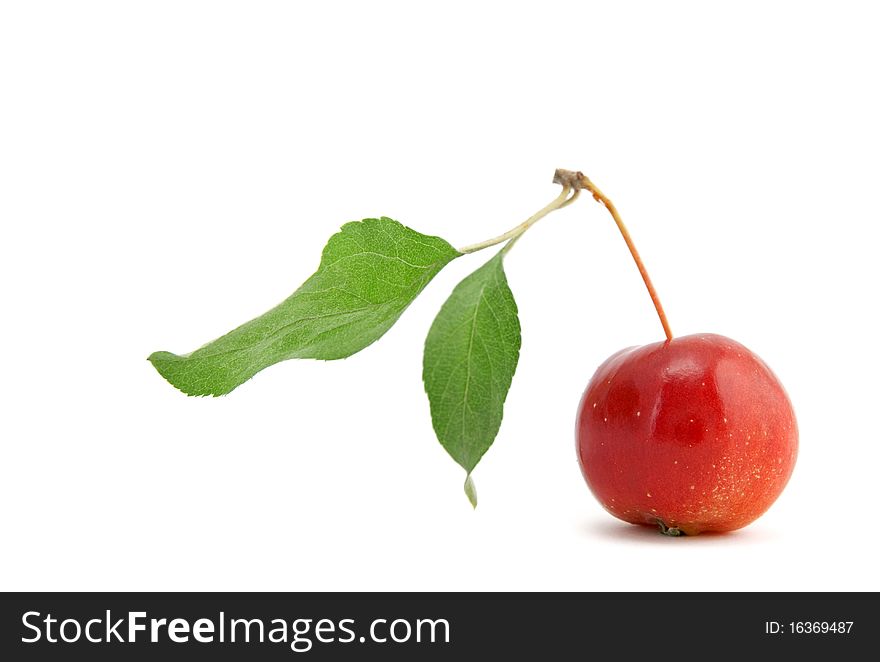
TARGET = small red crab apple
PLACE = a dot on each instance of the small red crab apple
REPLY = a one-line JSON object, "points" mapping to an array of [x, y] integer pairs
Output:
{"points": [[691, 434]]}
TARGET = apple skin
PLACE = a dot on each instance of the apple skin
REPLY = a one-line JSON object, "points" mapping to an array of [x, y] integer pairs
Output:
{"points": [[693, 434]]}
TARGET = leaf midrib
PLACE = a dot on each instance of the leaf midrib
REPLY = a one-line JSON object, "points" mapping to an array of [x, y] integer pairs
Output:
{"points": [[467, 380], [266, 340]]}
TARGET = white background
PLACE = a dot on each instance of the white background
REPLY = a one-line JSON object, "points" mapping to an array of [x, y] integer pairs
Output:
{"points": [[169, 170]]}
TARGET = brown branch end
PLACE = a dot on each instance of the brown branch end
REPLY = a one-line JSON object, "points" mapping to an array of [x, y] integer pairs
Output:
{"points": [[572, 178]]}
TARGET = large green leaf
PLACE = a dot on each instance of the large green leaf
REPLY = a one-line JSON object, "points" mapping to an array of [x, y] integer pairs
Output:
{"points": [[370, 272], [471, 354]]}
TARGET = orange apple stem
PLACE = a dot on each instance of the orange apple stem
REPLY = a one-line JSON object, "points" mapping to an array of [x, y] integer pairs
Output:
{"points": [[584, 182]]}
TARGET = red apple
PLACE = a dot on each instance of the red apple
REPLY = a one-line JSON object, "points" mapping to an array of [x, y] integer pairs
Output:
{"points": [[692, 434]]}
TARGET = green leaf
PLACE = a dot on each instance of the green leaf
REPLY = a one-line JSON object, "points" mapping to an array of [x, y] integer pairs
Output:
{"points": [[470, 357], [370, 271]]}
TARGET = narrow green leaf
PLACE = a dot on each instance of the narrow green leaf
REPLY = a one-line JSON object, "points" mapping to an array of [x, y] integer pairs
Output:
{"points": [[370, 271], [470, 356]]}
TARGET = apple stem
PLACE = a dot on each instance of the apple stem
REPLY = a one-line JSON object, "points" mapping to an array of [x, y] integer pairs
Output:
{"points": [[572, 183], [579, 180]]}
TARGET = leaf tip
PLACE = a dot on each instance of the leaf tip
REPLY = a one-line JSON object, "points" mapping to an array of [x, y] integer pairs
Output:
{"points": [[471, 491], [172, 367], [156, 356], [160, 360]]}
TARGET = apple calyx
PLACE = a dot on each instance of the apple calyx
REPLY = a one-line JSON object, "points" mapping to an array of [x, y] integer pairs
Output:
{"points": [[669, 530]]}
